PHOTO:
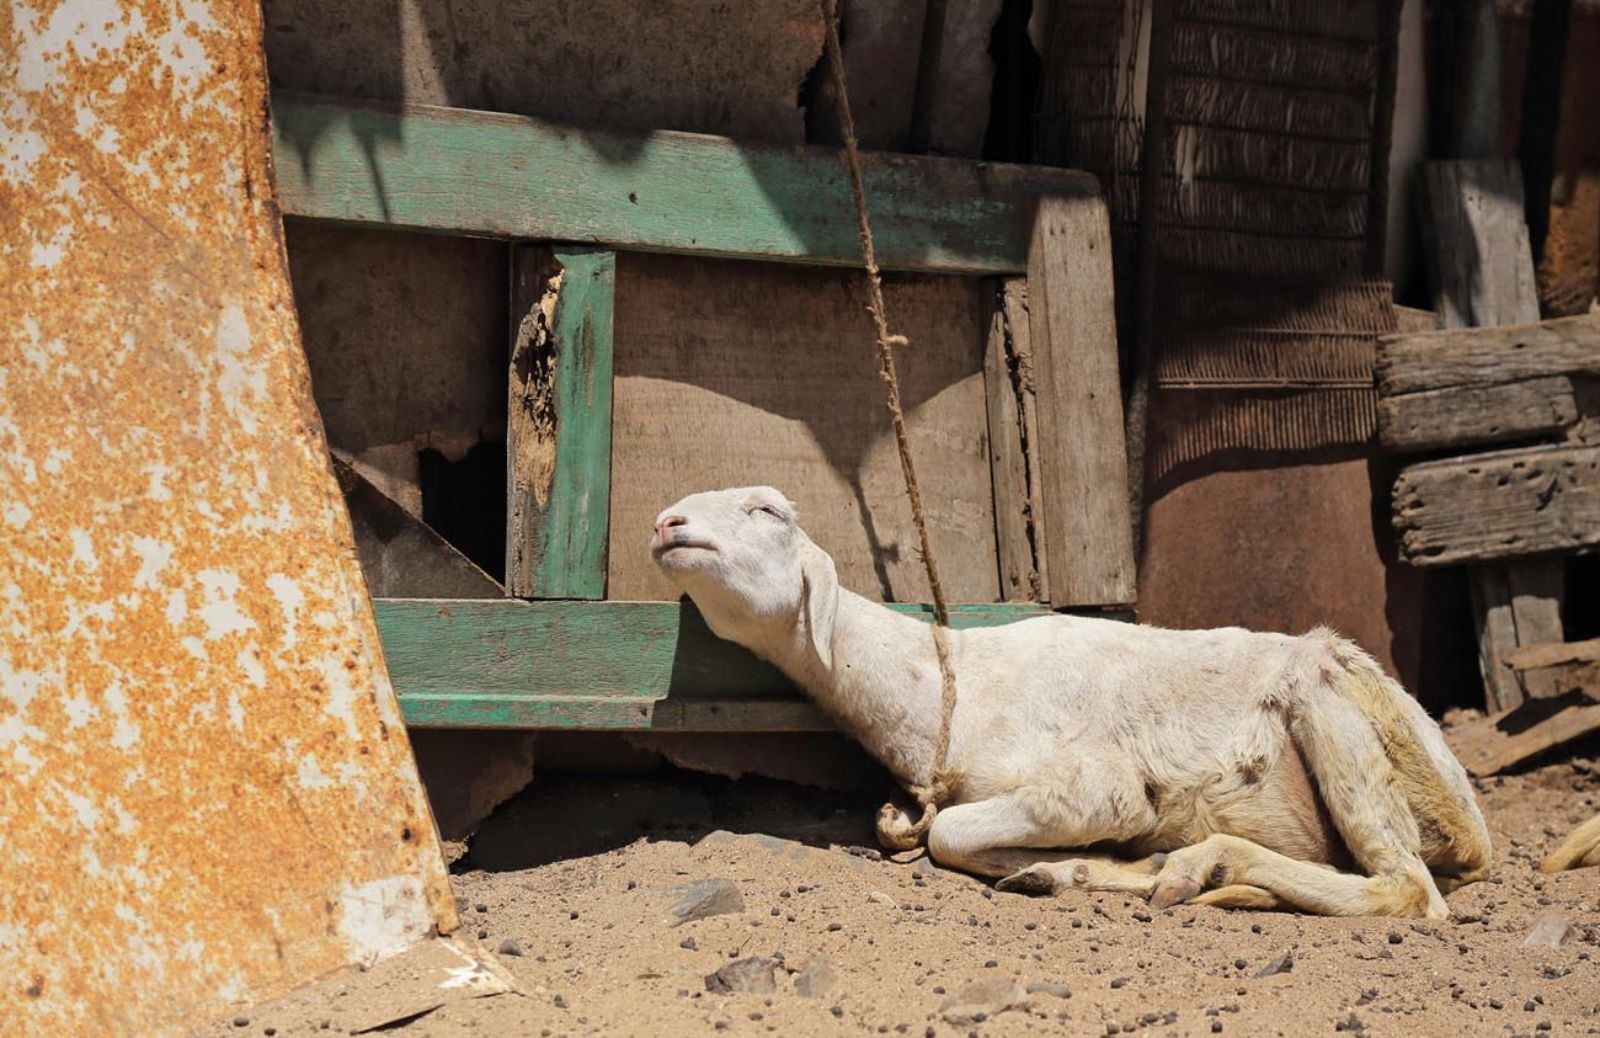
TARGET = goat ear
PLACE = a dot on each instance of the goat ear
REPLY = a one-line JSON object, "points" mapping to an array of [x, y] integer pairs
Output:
{"points": [[821, 592]]}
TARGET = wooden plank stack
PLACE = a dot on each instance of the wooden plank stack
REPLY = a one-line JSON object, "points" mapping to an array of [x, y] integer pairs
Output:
{"points": [[1496, 377]]}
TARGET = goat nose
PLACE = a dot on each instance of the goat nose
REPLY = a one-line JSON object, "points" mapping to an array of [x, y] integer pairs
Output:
{"points": [[667, 523]]}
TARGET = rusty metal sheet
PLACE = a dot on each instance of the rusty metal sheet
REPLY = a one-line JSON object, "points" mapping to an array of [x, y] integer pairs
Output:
{"points": [[206, 791]]}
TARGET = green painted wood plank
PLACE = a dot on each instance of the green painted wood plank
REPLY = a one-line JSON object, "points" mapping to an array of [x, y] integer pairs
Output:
{"points": [[557, 519], [605, 665], [494, 175]]}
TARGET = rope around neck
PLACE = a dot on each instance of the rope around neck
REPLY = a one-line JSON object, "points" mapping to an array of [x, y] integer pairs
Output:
{"points": [[938, 787]]}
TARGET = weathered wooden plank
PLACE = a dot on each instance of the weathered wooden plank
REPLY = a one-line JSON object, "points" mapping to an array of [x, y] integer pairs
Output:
{"points": [[1013, 427], [1500, 741], [1082, 452], [488, 174], [1559, 668], [1481, 271], [1515, 604], [1499, 505], [401, 556], [558, 433], [1462, 416], [1420, 361], [1481, 262], [1554, 654], [513, 663]]}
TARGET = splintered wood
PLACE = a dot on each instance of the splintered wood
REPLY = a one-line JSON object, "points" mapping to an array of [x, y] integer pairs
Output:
{"points": [[735, 373]]}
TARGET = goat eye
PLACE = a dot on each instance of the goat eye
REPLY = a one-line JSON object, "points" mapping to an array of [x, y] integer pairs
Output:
{"points": [[769, 510]]}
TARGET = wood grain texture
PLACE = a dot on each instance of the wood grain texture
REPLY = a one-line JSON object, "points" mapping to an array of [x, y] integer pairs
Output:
{"points": [[487, 174], [1499, 505], [731, 374], [1013, 428], [1442, 359], [1082, 453], [1481, 261], [1515, 604], [1500, 741], [631, 665], [1465, 416], [558, 432]]}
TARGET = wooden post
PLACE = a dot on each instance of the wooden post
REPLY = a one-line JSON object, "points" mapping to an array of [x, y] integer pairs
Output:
{"points": [[1082, 456], [558, 432], [1481, 268], [1008, 377]]}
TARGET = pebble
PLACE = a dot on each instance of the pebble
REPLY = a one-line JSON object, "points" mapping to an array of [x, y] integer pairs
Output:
{"points": [[817, 979], [1049, 987], [1394, 937], [509, 946], [702, 899], [241, 1021], [1282, 964], [977, 1001], [749, 976]]}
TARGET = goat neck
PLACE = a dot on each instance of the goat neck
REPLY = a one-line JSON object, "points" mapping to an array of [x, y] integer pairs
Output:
{"points": [[882, 685]]}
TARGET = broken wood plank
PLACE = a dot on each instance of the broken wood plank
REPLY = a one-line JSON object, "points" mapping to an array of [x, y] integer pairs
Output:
{"points": [[401, 556], [1464, 416], [1559, 668], [487, 174], [1500, 741], [1499, 505], [509, 663], [1515, 604], [558, 432], [1420, 361], [1008, 384], [1082, 454]]}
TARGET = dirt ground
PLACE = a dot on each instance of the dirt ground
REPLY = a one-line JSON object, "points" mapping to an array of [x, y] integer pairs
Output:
{"points": [[571, 887]]}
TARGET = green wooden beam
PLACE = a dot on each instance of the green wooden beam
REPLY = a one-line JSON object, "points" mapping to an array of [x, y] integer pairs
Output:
{"points": [[506, 663], [558, 515], [467, 172]]}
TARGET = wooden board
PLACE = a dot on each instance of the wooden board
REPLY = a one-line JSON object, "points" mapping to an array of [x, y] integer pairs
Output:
{"points": [[1465, 416], [558, 433], [732, 374], [1441, 359], [1481, 262], [1560, 668], [1505, 740], [632, 665], [481, 173], [1013, 431], [1515, 604], [1088, 536], [1499, 505]]}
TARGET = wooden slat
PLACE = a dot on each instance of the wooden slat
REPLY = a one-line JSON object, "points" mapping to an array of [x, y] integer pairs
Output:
{"points": [[1421, 361], [558, 434], [1481, 261], [1554, 654], [1499, 505], [1500, 741], [1082, 458], [639, 665], [1558, 668], [1481, 269], [1008, 384], [1463, 416], [489, 174]]}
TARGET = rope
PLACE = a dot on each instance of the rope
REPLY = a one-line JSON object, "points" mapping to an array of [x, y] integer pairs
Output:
{"points": [[938, 787]]}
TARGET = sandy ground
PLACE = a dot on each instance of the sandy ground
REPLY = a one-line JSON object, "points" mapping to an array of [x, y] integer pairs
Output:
{"points": [[571, 886]]}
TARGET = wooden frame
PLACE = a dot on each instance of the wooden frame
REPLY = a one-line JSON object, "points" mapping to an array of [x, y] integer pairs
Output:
{"points": [[573, 660]]}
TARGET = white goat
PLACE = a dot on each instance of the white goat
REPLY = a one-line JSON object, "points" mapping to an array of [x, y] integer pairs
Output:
{"points": [[1238, 765]]}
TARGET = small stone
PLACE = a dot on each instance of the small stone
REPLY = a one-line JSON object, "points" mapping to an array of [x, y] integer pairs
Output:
{"points": [[1367, 996], [979, 1000], [837, 1011], [1239, 964], [1216, 1027], [1548, 931], [1528, 1006], [1394, 937], [1049, 987], [241, 1021], [1143, 917], [1283, 964], [835, 927], [817, 979], [509, 946], [688, 942], [702, 899], [1118, 982], [748, 976], [878, 897]]}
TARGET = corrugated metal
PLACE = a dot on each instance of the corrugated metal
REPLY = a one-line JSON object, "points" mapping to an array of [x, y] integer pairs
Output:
{"points": [[206, 792]]}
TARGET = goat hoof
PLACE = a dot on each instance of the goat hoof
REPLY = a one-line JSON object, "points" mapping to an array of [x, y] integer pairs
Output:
{"points": [[1173, 891], [1032, 882]]}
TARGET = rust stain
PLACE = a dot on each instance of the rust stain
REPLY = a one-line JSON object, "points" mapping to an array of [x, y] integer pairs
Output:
{"points": [[206, 791]]}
